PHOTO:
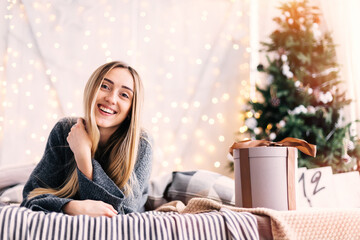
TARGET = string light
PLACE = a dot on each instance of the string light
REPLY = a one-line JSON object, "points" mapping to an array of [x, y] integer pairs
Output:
{"points": [[214, 100], [195, 117], [197, 104], [174, 104], [166, 120], [154, 120], [249, 114], [211, 148], [169, 76], [185, 105], [199, 159], [184, 120], [243, 129]]}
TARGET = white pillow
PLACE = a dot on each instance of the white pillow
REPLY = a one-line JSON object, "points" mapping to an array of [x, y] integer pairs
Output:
{"points": [[14, 174], [184, 185], [13, 194]]}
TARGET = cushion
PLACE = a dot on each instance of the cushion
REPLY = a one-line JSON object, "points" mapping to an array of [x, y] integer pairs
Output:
{"points": [[12, 179], [14, 174], [12, 195], [185, 185]]}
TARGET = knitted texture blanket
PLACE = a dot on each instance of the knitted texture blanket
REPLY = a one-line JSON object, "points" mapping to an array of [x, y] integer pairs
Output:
{"points": [[301, 224]]}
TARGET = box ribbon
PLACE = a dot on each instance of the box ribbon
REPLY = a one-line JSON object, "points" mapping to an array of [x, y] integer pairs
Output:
{"points": [[300, 144]]}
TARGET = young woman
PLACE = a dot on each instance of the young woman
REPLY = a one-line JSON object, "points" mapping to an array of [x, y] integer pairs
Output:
{"points": [[99, 165]]}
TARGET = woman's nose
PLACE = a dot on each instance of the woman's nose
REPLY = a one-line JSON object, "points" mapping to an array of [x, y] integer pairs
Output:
{"points": [[111, 98]]}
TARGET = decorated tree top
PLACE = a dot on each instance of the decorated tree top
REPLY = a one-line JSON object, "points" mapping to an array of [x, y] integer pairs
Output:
{"points": [[302, 97]]}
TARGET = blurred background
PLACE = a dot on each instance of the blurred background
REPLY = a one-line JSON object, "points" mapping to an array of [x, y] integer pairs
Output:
{"points": [[197, 58]]}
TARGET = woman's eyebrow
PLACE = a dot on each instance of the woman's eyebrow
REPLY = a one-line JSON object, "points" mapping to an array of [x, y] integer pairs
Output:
{"points": [[127, 88], [123, 86], [108, 80]]}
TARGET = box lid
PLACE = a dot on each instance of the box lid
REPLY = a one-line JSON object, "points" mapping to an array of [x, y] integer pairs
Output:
{"points": [[264, 152]]}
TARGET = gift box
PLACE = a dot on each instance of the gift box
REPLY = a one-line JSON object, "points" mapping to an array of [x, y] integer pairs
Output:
{"points": [[266, 172]]}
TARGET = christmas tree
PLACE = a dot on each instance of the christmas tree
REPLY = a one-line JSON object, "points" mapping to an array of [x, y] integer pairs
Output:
{"points": [[302, 97]]}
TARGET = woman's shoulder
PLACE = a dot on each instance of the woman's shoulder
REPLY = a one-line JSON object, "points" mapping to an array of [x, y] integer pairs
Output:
{"points": [[145, 149], [146, 138], [65, 124], [68, 121], [60, 131]]}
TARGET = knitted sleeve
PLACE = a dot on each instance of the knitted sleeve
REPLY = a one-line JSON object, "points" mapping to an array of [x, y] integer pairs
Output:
{"points": [[142, 174], [51, 171], [102, 187]]}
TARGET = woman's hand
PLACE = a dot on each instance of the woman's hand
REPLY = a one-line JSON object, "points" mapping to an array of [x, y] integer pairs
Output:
{"points": [[91, 208], [80, 144]]}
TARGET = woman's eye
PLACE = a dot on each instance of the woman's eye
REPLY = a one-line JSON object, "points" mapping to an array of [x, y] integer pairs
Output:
{"points": [[104, 86], [124, 95]]}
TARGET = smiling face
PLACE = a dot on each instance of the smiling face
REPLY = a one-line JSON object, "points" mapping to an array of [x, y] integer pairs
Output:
{"points": [[114, 100]]}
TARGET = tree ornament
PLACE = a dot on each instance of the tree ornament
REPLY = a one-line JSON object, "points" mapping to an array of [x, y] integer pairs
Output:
{"points": [[350, 146], [257, 130], [260, 68], [275, 102], [346, 159], [272, 136], [251, 123], [281, 51], [316, 94]]}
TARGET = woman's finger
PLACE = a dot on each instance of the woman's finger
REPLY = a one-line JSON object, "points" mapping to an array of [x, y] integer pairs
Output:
{"points": [[109, 206], [110, 213], [113, 210]]}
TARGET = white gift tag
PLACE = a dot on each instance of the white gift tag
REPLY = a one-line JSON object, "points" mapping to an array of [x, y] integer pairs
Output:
{"points": [[347, 189], [316, 188]]}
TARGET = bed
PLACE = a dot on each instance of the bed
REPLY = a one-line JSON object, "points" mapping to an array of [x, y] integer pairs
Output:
{"points": [[21, 223], [181, 205], [156, 223]]}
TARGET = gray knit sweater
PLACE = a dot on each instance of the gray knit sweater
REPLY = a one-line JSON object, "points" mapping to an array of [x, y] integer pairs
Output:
{"points": [[55, 166]]}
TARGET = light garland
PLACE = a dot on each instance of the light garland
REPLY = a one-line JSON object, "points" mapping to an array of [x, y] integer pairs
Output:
{"points": [[192, 127]]}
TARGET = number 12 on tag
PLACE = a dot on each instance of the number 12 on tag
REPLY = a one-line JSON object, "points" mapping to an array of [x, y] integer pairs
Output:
{"points": [[315, 188]]}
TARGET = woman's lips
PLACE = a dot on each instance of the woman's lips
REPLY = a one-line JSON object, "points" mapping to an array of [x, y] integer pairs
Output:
{"points": [[106, 110]]}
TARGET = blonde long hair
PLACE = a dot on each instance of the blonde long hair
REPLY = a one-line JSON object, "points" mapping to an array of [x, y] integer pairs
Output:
{"points": [[123, 143]]}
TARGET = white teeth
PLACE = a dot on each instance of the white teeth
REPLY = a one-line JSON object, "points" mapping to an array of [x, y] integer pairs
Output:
{"points": [[107, 110]]}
